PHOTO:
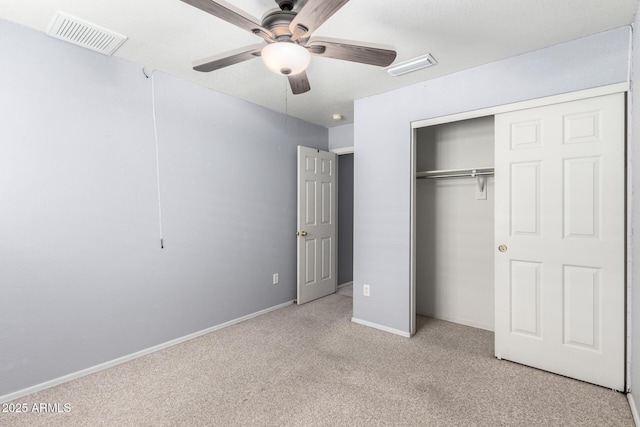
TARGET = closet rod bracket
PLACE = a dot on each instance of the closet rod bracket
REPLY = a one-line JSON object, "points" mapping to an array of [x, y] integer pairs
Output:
{"points": [[481, 194]]}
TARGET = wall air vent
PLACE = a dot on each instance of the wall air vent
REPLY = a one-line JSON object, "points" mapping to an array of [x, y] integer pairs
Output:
{"points": [[412, 65], [82, 33]]}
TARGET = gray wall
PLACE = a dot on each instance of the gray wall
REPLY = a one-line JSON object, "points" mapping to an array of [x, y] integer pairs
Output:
{"points": [[633, 159], [341, 137], [345, 218], [455, 230], [383, 170], [83, 278]]}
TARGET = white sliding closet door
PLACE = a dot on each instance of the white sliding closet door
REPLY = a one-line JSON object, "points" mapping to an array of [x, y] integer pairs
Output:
{"points": [[560, 239]]}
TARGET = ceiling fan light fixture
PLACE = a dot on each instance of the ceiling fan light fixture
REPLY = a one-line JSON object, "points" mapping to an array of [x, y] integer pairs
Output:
{"points": [[413, 64], [285, 58]]}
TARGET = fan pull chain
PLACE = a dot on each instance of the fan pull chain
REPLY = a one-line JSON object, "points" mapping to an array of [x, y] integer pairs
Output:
{"points": [[155, 133], [286, 102]]}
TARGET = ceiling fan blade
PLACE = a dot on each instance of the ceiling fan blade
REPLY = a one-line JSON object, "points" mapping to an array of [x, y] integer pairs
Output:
{"points": [[313, 14], [228, 12], [299, 83], [216, 62], [347, 51]]}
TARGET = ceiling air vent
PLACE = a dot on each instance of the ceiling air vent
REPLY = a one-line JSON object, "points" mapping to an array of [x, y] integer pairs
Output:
{"points": [[82, 33]]}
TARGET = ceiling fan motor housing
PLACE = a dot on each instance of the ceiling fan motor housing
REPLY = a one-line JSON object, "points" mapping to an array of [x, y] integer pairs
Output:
{"points": [[277, 21]]}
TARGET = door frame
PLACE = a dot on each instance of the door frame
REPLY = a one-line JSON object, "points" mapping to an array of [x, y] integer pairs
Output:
{"points": [[491, 111], [340, 152]]}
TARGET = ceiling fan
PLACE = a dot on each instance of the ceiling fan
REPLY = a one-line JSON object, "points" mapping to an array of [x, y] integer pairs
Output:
{"points": [[287, 33]]}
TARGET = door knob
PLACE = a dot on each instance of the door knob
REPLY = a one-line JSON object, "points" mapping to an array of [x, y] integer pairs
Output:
{"points": [[502, 248], [301, 233]]}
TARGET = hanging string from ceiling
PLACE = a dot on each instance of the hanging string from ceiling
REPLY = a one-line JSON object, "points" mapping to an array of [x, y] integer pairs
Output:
{"points": [[155, 134]]}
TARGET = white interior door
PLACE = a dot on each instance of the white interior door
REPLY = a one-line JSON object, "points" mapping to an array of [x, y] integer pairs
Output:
{"points": [[316, 224], [560, 239]]}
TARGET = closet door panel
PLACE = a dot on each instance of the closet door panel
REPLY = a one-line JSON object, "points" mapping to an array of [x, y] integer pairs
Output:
{"points": [[582, 195], [525, 298], [582, 306], [525, 135], [525, 199], [560, 239]]}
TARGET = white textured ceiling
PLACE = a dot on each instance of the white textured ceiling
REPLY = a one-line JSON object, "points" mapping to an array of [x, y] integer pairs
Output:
{"points": [[168, 35]]}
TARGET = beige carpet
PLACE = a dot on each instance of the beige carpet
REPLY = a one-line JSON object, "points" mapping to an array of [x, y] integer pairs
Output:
{"points": [[347, 291], [311, 366]]}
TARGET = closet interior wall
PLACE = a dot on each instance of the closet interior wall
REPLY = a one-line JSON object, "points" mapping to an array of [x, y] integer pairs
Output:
{"points": [[455, 230]]}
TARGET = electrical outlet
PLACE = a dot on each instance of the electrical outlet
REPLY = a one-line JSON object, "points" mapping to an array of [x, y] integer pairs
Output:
{"points": [[366, 290], [276, 278]]}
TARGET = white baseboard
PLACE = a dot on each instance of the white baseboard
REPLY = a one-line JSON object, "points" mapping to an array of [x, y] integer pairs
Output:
{"points": [[381, 327], [129, 357], [634, 410], [344, 285], [460, 321]]}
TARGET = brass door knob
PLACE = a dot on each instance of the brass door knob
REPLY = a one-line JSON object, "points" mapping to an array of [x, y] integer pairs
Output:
{"points": [[502, 248], [301, 233]]}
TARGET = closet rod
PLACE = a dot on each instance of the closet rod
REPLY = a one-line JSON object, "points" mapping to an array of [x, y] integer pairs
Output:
{"points": [[454, 173]]}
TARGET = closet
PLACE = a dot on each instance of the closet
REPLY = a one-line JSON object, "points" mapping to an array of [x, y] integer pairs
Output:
{"points": [[455, 222], [519, 227]]}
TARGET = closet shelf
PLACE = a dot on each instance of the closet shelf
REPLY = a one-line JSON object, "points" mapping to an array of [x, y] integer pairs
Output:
{"points": [[455, 173]]}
